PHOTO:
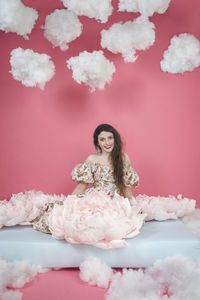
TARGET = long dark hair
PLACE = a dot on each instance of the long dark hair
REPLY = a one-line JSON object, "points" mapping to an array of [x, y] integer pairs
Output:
{"points": [[116, 154]]}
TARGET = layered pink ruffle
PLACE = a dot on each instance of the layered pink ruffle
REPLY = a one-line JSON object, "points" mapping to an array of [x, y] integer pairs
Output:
{"points": [[22, 208], [164, 208], [94, 219]]}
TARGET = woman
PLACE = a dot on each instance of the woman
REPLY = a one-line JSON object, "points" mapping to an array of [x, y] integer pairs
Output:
{"points": [[100, 215], [109, 170]]}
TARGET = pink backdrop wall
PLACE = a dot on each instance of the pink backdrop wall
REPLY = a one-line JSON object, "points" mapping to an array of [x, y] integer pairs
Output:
{"points": [[43, 134]]}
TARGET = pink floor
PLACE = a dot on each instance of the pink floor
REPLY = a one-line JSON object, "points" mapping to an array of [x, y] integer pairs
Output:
{"points": [[62, 284]]}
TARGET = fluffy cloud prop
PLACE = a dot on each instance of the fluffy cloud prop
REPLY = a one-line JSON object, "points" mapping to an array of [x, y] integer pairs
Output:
{"points": [[93, 271], [128, 37], [179, 275], [15, 275], [99, 10], [133, 285], [164, 208], [61, 27], [145, 7], [183, 54], [31, 68], [16, 17], [93, 69]]}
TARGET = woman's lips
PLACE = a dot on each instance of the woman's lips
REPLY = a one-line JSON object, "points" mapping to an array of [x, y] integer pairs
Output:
{"points": [[108, 147]]}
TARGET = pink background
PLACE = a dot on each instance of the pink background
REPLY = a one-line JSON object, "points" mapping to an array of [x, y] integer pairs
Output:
{"points": [[44, 134]]}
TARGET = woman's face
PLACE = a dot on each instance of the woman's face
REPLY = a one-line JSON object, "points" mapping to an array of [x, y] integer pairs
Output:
{"points": [[106, 141]]}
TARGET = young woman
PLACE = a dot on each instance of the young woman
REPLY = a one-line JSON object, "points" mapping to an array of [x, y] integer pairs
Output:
{"points": [[109, 170], [111, 177]]}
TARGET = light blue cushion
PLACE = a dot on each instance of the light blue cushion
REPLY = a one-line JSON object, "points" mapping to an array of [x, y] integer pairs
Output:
{"points": [[157, 240]]}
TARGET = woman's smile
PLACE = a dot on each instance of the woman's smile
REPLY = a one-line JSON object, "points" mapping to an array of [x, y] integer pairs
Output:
{"points": [[106, 141]]}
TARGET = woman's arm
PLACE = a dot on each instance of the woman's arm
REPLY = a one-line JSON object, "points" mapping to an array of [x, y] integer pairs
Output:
{"points": [[127, 190], [80, 188], [127, 193]]}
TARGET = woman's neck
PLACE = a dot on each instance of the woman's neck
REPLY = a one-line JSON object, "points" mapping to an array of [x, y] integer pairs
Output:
{"points": [[106, 157]]}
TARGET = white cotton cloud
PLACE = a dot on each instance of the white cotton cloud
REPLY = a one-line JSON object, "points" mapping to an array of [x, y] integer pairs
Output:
{"points": [[93, 271], [31, 68], [15, 275], [16, 17], [193, 222], [133, 285], [99, 10], [179, 275], [164, 208], [126, 38], [11, 295], [61, 27], [183, 54], [93, 69], [145, 7]]}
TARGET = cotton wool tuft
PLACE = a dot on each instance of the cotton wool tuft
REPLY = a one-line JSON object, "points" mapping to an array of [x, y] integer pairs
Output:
{"points": [[146, 7], [133, 285], [93, 271], [99, 10], [93, 69], [31, 68], [61, 27], [179, 275], [126, 38], [15, 275], [16, 17], [183, 54]]}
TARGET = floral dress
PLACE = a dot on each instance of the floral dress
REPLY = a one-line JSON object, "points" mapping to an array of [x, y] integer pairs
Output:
{"points": [[101, 179]]}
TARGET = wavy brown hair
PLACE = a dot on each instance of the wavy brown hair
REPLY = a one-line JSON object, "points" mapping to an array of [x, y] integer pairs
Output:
{"points": [[116, 154]]}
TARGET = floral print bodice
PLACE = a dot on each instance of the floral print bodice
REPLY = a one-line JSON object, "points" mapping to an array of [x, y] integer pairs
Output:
{"points": [[101, 177]]}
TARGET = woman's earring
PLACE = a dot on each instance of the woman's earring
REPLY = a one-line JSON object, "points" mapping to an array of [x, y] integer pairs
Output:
{"points": [[98, 149]]}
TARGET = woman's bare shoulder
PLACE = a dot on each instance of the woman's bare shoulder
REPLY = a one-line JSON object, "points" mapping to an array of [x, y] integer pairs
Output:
{"points": [[126, 158]]}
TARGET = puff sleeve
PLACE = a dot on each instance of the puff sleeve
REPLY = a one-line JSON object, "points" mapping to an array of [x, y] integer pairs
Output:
{"points": [[83, 173], [131, 178]]}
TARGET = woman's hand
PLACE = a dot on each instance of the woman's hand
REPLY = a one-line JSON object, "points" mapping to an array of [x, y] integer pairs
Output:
{"points": [[80, 188]]}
